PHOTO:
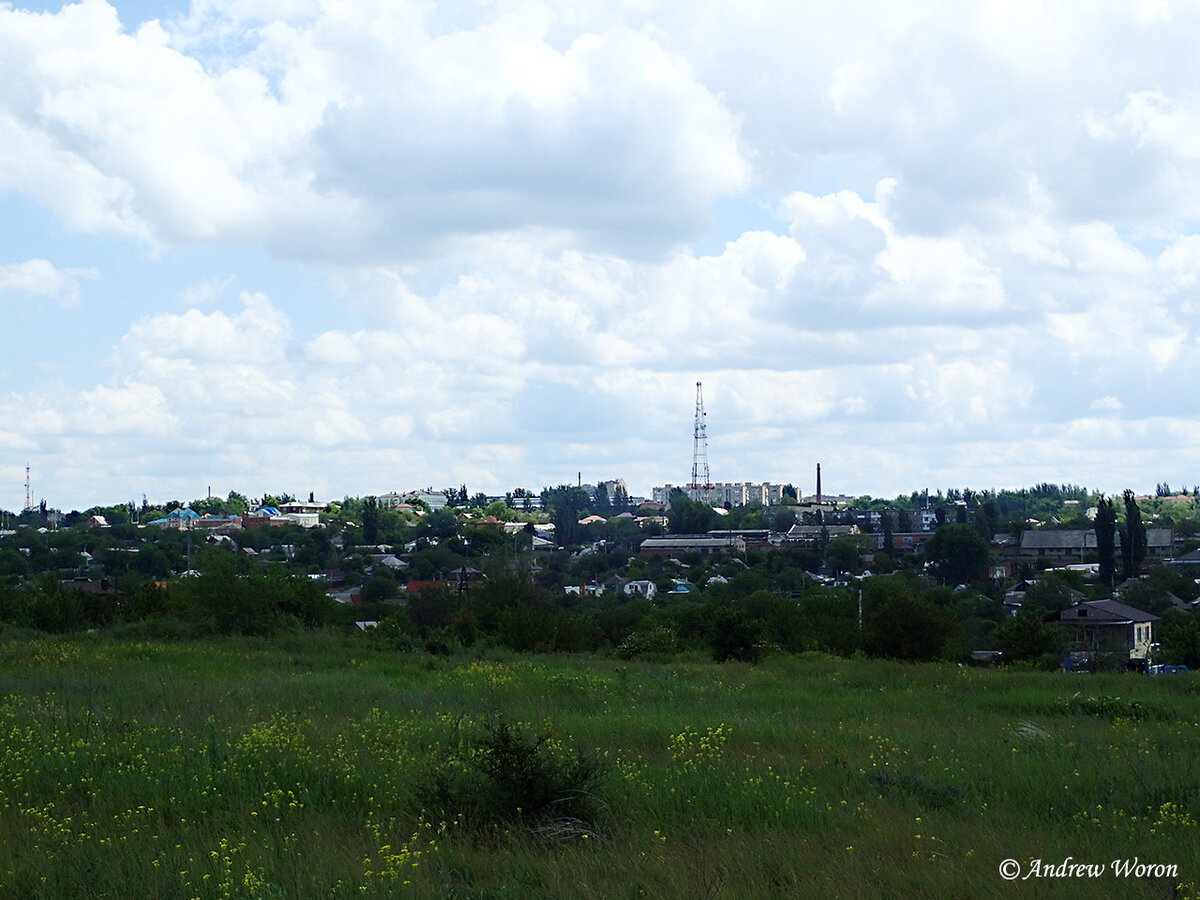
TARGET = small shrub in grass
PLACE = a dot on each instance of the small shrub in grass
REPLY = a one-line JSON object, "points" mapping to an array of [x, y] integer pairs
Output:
{"points": [[509, 773], [392, 634], [1105, 706], [440, 642], [650, 640]]}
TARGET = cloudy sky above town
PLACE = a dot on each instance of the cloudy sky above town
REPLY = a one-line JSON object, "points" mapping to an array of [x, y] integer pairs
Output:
{"points": [[348, 248]]}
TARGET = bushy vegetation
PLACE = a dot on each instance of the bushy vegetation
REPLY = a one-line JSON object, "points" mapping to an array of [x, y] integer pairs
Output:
{"points": [[507, 773], [316, 765], [939, 602]]}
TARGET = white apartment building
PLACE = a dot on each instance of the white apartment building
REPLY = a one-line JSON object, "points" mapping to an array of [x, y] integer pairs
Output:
{"points": [[726, 494], [433, 499]]}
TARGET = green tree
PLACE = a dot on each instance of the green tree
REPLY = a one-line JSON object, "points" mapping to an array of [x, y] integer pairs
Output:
{"points": [[370, 520], [1053, 591], [434, 606], [783, 517], [688, 516], [904, 626], [1133, 537], [1106, 533], [500, 510], [1028, 637], [735, 635], [151, 561], [440, 525], [382, 585], [565, 505], [1181, 639], [829, 622], [959, 553], [844, 555]]}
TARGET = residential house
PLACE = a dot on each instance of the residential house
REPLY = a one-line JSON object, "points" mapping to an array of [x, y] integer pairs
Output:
{"points": [[271, 515], [1187, 560], [583, 590], [1015, 595], [389, 560], [902, 541], [218, 525], [414, 587], [435, 500], [101, 588], [306, 514], [464, 575], [1177, 602], [615, 583], [1108, 627], [181, 518], [642, 588]]}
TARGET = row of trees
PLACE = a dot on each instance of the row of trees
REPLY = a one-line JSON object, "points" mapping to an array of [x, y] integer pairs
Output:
{"points": [[787, 611], [735, 608], [770, 607], [1133, 538], [230, 595]]}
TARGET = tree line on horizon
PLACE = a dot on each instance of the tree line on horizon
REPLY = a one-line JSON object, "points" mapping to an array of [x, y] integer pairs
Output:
{"points": [[737, 608]]}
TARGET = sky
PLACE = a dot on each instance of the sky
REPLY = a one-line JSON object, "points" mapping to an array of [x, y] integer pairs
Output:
{"points": [[300, 246]]}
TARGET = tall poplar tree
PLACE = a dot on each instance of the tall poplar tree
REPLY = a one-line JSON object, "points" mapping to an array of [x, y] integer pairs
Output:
{"points": [[1106, 534], [1133, 537]]}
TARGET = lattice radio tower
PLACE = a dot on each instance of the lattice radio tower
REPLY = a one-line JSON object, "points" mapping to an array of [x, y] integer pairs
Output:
{"points": [[28, 492], [701, 480]]}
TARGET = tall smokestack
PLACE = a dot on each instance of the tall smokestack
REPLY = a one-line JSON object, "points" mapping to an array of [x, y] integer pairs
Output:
{"points": [[818, 484]]}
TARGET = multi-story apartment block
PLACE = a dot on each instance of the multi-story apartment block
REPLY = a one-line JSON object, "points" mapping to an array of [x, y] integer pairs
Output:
{"points": [[725, 494]]}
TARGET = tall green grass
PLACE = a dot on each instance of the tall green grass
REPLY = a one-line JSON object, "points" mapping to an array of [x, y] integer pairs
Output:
{"points": [[304, 769]]}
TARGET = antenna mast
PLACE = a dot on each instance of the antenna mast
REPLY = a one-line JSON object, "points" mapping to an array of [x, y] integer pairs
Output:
{"points": [[701, 480], [28, 492]]}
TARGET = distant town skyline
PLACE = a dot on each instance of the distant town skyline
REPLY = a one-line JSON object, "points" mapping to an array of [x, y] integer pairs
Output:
{"points": [[356, 248], [720, 494]]}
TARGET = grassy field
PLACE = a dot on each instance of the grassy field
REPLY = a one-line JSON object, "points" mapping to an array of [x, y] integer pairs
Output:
{"points": [[320, 767]]}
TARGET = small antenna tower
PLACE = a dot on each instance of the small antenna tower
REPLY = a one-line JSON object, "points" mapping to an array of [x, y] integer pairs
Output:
{"points": [[28, 490], [701, 480]]}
